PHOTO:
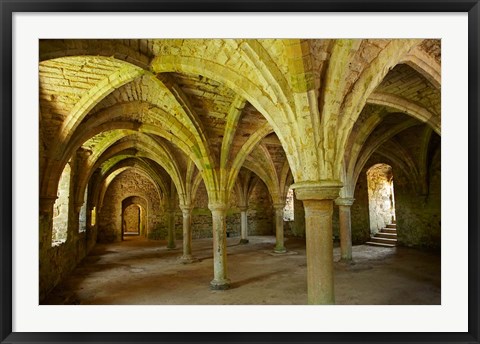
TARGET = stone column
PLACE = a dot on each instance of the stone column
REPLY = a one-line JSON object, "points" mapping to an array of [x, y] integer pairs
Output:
{"points": [[76, 221], [318, 199], [244, 224], [46, 222], [279, 245], [171, 229], [219, 214], [45, 242], [345, 221], [187, 235], [79, 242]]}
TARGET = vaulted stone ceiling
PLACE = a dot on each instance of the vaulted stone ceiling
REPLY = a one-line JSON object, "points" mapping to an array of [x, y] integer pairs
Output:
{"points": [[193, 110]]}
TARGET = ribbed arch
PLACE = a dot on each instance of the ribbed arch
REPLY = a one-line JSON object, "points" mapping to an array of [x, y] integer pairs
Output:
{"points": [[253, 93], [116, 171], [368, 81], [114, 119], [361, 160], [140, 145], [405, 106]]}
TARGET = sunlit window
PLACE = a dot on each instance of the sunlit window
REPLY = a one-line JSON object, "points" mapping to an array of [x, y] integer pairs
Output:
{"points": [[288, 210], [93, 216], [381, 198], [60, 208], [82, 217]]}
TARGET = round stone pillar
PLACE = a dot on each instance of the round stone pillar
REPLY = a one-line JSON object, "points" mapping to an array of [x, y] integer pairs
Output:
{"points": [[345, 222], [318, 199], [187, 235], [244, 225], [279, 243], [219, 224], [171, 229]]}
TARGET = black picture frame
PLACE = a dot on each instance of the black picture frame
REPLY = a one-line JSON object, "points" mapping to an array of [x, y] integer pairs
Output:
{"points": [[8, 7]]}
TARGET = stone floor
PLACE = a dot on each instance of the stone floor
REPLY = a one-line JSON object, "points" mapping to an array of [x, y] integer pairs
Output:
{"points": [[141, 272]]}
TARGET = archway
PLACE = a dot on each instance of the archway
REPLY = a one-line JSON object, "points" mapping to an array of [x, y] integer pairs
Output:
{"points": [[381, 200], [61, 208], [289, 211], [134, 218]]}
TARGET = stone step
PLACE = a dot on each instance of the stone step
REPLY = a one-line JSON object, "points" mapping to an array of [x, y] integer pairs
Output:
{"points": [[388, 230], [386, 235], [392, 225], [371, 243], [383, 240]]}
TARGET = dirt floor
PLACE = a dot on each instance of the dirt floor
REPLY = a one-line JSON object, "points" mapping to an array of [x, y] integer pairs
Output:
{"points": [[142, 272]]}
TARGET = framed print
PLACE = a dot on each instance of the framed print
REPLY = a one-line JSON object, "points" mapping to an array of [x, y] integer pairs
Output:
{"points": [[239, 172]]}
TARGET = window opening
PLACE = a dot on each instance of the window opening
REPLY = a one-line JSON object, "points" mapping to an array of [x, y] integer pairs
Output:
{"points": [[381, 201], [288, 211], [60, 208], [82, 217]]}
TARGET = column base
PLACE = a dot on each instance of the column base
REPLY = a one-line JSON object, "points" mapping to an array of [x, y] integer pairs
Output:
{"points": [[243, 241], [345, 261], [323, 302], [172, 248], [220, 285], [188, 259], [280, 250]]}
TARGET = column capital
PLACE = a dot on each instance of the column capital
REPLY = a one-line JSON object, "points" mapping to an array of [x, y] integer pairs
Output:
{"points": [[347, 202], [320, 190], [186, 207], [84, 153], [243, 207], [77, 207], [46, 203], [169, 209], [278, 206], [217, 206]]}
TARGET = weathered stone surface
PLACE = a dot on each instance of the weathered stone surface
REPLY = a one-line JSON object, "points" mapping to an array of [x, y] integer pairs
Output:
{"points": [[192, 123], [128, 183], [417, 214]]}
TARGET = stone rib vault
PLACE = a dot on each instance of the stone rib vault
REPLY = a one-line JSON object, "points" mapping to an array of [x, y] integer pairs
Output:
{"points": [[192, 131]]}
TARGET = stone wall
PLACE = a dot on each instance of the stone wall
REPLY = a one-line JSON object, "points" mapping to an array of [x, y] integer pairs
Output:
{"points": [[360, 210], [131, 218], [58, 258], [127, 184], [57, 261], [296, 228], [418, 215], [260, 212], [259, 215]]}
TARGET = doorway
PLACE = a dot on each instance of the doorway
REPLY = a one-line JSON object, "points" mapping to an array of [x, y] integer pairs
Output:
{"points": [[381, 200]]}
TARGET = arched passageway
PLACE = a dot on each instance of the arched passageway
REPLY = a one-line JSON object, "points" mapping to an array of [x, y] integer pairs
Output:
{"points": [[133, 223], [381, 200], [134, 217], [189, 139]]}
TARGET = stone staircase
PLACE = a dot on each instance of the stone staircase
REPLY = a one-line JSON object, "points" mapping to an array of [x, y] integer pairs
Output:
{"points": [[387, 237]]}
